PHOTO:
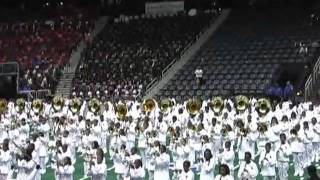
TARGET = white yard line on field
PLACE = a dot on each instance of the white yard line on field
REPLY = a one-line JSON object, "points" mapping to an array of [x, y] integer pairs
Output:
{"points": [[83, 178], [109, 169]]}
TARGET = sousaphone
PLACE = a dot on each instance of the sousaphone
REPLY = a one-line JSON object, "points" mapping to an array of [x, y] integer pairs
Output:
{"points": [[3, 106], [193, 106], [217, 104], [166, 105], [149, 105], [94, 106], [241, 103], [37, 106], [20, 105], [75, 105], [58, 103], [121, 111], [263, 106]]}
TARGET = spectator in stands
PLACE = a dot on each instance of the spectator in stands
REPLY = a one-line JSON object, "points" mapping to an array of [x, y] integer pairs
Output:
{"points": [[288, 91], [199, 76], [275, 92], [127, 56], [41, 48]]}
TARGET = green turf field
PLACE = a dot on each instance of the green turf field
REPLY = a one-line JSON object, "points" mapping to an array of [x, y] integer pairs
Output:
{"points": [[78, 175]]}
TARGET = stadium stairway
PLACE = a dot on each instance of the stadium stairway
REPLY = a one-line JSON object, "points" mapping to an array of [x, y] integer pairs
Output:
{"points": [[169, 74], [68, 73]]}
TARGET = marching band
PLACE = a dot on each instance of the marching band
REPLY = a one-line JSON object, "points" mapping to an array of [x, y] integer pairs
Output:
{"points": [[241, 137]]}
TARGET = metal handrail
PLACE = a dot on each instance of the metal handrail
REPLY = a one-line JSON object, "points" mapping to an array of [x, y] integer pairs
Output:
{"points": [[312, 79], [164, 71], [168, 67], [37, 93], [307, 88], [151, 84]]}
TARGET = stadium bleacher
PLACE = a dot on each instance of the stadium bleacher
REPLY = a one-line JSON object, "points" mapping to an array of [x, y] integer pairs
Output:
{"points": [[128, 55], [221, 126], [42, 48], [245, 56]]}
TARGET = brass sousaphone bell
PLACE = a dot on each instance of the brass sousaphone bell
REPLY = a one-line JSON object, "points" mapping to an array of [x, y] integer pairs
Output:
{"points": [[121, 111], [217, 104], [37, 106], [3, 106], [94, 106], [241, 103], [20, 105], [193, 106], [75, 105], [149, 105], [58, 103], [166, 105], [263, 106]]}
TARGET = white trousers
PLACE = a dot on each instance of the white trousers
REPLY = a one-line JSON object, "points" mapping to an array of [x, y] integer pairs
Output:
{"points": [[283, 168]]}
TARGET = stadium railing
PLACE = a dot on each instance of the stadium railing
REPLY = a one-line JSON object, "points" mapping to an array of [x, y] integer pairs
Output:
{"points": [[36, 94], [312, 80]]}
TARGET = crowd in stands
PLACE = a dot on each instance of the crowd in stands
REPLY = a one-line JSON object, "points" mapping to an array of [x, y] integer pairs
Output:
{"points": [[41, 47], [129, 53]]}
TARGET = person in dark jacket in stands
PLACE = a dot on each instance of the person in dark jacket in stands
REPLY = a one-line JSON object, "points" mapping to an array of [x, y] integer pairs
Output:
{"points": [[288, 91]]}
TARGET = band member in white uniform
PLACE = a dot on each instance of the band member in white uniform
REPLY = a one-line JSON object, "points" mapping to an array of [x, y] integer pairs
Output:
{"points": [[186, 173], [227, 157], [98, 168], [248, 169], [283, 152], [162, 161], [224, 173], [137, 171], [267, 162], [65, 170], [297, 149], [207, 166], [5, 159]]}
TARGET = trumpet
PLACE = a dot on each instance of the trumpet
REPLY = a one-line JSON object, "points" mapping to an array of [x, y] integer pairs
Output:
{"points": [[224, 130], [262, 127], [243, 131]]}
